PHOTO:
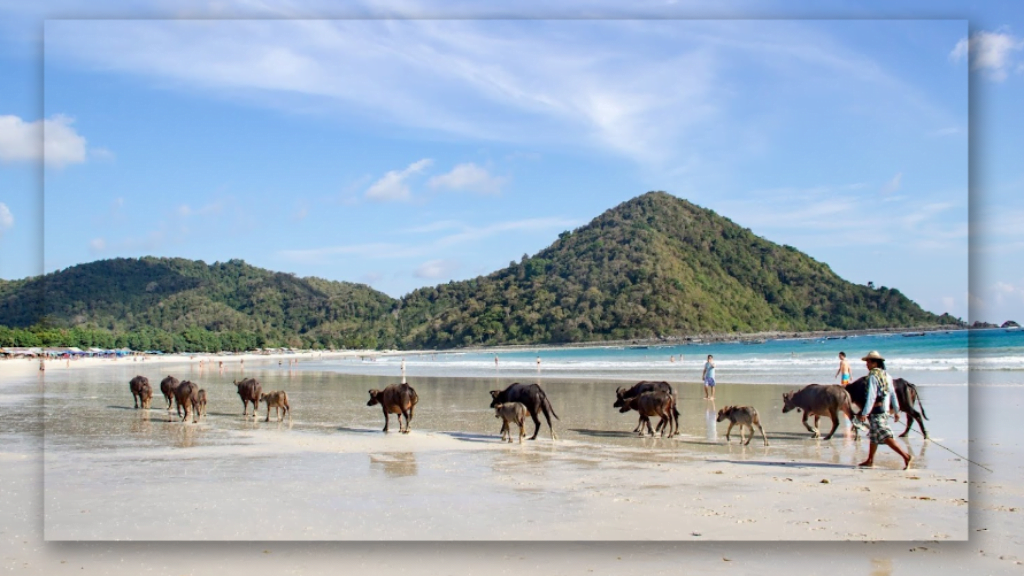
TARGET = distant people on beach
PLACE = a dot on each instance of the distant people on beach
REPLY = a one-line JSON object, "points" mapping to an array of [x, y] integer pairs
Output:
{"points": [[538, 363], [495, 361], [844, 369], [708, 376]]}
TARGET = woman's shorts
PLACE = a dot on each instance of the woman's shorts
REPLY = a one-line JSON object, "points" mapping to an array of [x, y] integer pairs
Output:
{"points": [[880, 431]]}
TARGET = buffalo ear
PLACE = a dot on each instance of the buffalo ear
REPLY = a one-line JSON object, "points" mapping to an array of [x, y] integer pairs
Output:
{"points": [[374, 392], [494, 393]]}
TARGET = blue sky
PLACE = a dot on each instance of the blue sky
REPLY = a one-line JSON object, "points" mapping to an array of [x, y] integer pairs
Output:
{"points": [[407, 153]]}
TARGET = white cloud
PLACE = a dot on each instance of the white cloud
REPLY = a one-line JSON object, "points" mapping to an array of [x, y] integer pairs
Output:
{"points": [[465, 234], [6, 218], [990, 52], [470, 178], [212, 208], [392, 186], [62, 145], [97, 245], [434, 269], [894, 184], [20, 141]]}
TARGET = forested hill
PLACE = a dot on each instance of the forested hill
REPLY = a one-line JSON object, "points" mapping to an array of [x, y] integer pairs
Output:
{"points": [[178, 304], [653, 266]]}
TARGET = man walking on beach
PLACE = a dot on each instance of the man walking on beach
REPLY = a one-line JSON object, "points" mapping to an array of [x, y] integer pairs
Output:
{"points": [[709, 378], [878, 403], [844, 369]]}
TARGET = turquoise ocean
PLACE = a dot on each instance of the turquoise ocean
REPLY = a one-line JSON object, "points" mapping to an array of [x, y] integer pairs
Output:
{"points": [[992, 357]]}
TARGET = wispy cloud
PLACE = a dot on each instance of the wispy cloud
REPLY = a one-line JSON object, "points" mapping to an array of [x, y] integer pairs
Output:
{"points": [[638, 91], [989, 52], [393, 185], [436, 269], [464, 234], [469, 177], [893, 185], [6, 218]]}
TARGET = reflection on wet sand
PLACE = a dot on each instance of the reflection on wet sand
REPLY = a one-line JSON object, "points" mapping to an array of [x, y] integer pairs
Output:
{"points": [[711, 421], [394, 464]]}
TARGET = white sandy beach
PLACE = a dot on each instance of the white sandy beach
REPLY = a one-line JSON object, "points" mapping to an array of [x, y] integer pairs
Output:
{"points": [[610, 492]]}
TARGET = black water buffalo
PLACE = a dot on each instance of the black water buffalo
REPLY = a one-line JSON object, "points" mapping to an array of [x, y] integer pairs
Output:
{"points": [[746, 417], [656, 403], [622, 394], [249, 391], [397, 399], [167, 386], [818, 400], [186, 396], [531, 396], [135, 385], [906, 395]]}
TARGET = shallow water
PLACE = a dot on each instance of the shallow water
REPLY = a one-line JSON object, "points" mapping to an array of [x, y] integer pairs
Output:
{"points": [[113, 472]]}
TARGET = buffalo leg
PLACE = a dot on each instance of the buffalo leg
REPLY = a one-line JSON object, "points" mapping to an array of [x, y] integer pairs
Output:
{"points": [[639, 423], [536, 425], [387, 420], [728, 431], [522, 431], [835, 423], [814, 430], [763, 435]]}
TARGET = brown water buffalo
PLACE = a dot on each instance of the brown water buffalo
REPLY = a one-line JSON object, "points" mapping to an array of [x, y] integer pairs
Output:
{"points": [[249, 391], [145, 395], [818, 400], [746, 417], [531, 396], [622, 394], [906, 395], [512, 412], [167, 386], [658, 403], [135, 385], [186, 396], [279, 401], [201, 402], [397, 399]]}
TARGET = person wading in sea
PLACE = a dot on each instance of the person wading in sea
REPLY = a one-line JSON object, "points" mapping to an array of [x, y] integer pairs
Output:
{"points": [[878, 403]]}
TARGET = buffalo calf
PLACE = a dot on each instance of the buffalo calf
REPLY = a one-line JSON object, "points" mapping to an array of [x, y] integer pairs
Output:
{"points": [[746, 417], [510, 412], [279, 401]]}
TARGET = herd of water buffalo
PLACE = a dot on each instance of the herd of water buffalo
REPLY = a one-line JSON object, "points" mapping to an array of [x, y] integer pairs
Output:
{"points": [[513, 404]]}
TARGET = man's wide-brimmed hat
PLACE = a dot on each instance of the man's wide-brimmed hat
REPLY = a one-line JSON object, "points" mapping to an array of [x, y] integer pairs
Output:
{"points": [[873, 355]]}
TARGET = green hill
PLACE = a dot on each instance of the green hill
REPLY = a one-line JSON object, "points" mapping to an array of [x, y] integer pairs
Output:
{"points": [[173, 303], [653, 266]]}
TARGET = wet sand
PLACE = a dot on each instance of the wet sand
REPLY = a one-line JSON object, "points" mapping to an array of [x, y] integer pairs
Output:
{"points": [[329, 473], [995, 544]]}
